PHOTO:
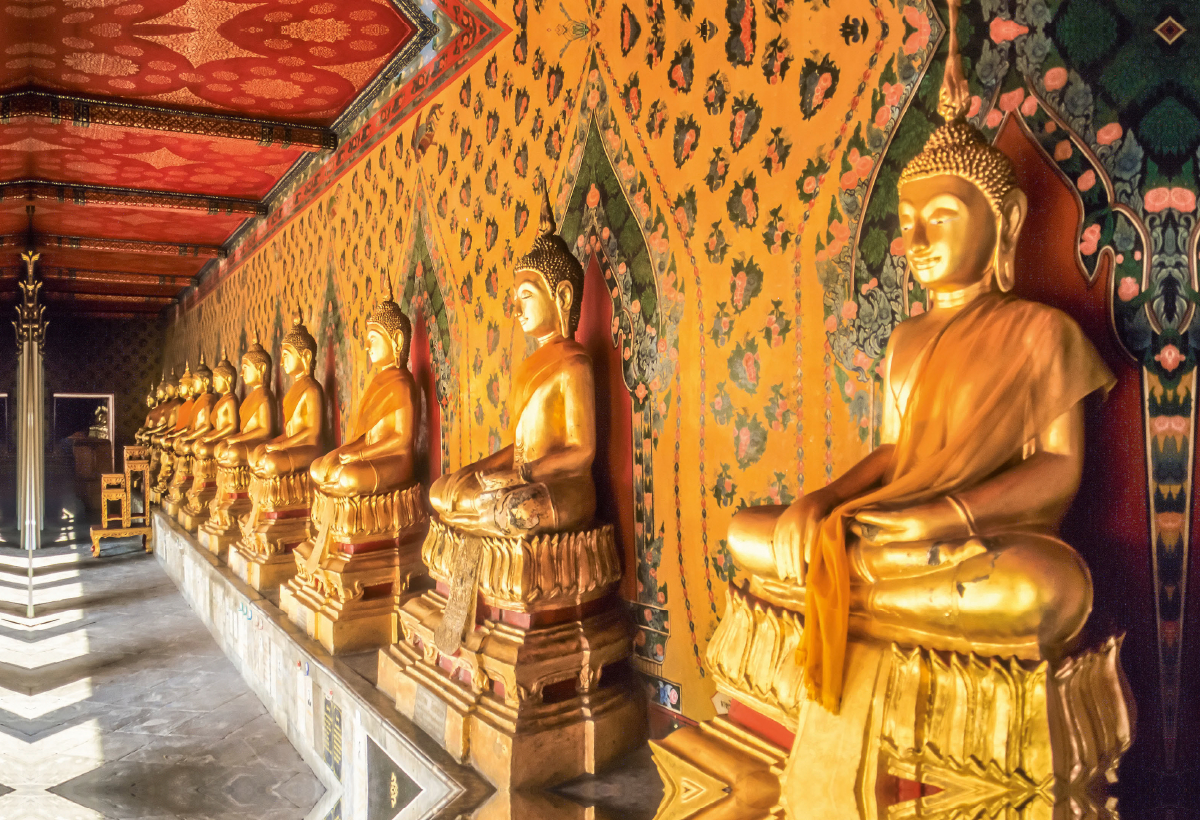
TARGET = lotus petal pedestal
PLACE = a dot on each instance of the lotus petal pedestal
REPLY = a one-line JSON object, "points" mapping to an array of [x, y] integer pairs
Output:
{"points": [[539, 691], [345, 597], [228, 506]]}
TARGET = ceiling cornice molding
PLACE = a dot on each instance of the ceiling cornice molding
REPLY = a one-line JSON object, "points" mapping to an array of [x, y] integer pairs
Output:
{"points": [[126, 301], [90, 243], [83, 112], [31, 189]]}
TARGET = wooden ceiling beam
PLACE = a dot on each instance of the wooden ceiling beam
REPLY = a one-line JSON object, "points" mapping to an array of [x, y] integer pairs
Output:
{"points": [[34, 189], [49, 242], [124, 301], [83, 112]]}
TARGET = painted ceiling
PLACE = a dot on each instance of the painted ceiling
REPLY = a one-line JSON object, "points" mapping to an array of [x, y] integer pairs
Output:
{"points": [[137, 139]]}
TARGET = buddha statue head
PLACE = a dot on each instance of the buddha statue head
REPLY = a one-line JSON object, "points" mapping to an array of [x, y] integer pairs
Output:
{"points": [[169, 386], [202, 378], [961, 210], [299, 354], [185, 382], [224, 375], [256, 364], [153, 397], [389, 331], [549, 283]]}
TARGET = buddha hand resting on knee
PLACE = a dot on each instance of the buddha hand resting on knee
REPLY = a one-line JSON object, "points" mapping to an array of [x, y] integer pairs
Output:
{"points": [[944, 536]]}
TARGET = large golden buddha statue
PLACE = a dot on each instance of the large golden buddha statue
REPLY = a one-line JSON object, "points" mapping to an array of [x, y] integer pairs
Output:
{"points": [[280, 489], [524, 617], [942, 543], [224, 422], [256, 424], [153, 399], [368, 513], [203, 401]]}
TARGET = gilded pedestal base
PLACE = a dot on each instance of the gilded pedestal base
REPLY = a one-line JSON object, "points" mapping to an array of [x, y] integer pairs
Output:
{"points": [[539, 691], [200, 494], [919, 734], [231, 502], [262, 555], [372, 555], [181, 479]]}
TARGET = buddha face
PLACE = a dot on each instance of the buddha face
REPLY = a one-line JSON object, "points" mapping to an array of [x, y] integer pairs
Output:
{"points": [[250, 375], [293, 362], [381, 349], [537, 310], [222, 383], [950, 231]]}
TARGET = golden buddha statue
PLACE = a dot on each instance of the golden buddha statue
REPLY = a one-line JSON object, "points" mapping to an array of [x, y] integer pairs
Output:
{"points": [[203, 400], [179, 426], [525, 577], [368, 514], [256, 424], [152, 401], [225, 421], [942, 540], [280, 491]]}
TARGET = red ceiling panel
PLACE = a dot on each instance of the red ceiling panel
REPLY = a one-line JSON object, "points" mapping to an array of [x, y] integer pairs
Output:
{"points": [[131, 262], [140, 158], [120, 222], [304, 61]]}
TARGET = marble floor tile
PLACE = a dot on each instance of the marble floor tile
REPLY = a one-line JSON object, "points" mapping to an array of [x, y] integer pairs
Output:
{"points": [[115, 702]]}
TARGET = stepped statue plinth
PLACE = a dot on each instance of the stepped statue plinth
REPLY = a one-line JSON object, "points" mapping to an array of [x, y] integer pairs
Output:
{"points": [[369, 514], [524, 617], [256, 424], [920, 619], [225, 422], [203, 401], [279, 489]]}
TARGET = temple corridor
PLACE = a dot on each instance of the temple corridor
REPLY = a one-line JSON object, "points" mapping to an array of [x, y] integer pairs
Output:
{"points": [[116, 702]]}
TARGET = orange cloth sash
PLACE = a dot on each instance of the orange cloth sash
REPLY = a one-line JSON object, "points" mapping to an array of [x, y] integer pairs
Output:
{"points": [[999, 373], [544, 363], [386, 393], [183, 418], [250, 406]]}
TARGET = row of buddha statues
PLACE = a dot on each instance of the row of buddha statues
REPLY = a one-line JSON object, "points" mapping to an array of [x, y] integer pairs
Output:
{"points": [[909, 639], [494, 588]]}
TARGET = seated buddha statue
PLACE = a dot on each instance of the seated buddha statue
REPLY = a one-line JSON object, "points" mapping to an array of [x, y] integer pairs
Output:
{"points": [[524, 603], [280, 493], [924, 598], [167, 410], [303, 411], [152, 401], [379, 456], [368, 514], [542, 482], [256, 414], [203, 400], [178, 429], [223, 421], [944, 536], [224, 415], [255, 424]]}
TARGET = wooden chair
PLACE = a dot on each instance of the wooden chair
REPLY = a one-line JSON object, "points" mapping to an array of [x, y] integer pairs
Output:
{"points": [[119, 487]]}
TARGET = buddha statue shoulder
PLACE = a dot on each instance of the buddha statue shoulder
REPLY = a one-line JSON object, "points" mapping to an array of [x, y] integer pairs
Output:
{"points": [[542, 482], [379, 454], [303, 410], [256, 413], [225, 420], [945, 535]]}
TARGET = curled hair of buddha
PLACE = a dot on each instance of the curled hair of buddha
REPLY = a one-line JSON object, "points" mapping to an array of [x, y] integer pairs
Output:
{"points": [[551, 257], [224, 368], [299, 339], [388, 317], [256, 355], [958, 148]]}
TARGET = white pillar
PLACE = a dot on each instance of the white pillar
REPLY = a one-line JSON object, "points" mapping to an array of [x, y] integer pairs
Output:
{"points": [[31, 330]]}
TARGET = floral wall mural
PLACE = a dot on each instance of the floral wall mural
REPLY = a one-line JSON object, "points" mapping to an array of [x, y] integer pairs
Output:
{"points": [[731, 167]]}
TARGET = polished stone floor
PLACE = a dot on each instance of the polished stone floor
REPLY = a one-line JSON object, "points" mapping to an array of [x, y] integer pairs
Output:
{"points": [[115, 702]]}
